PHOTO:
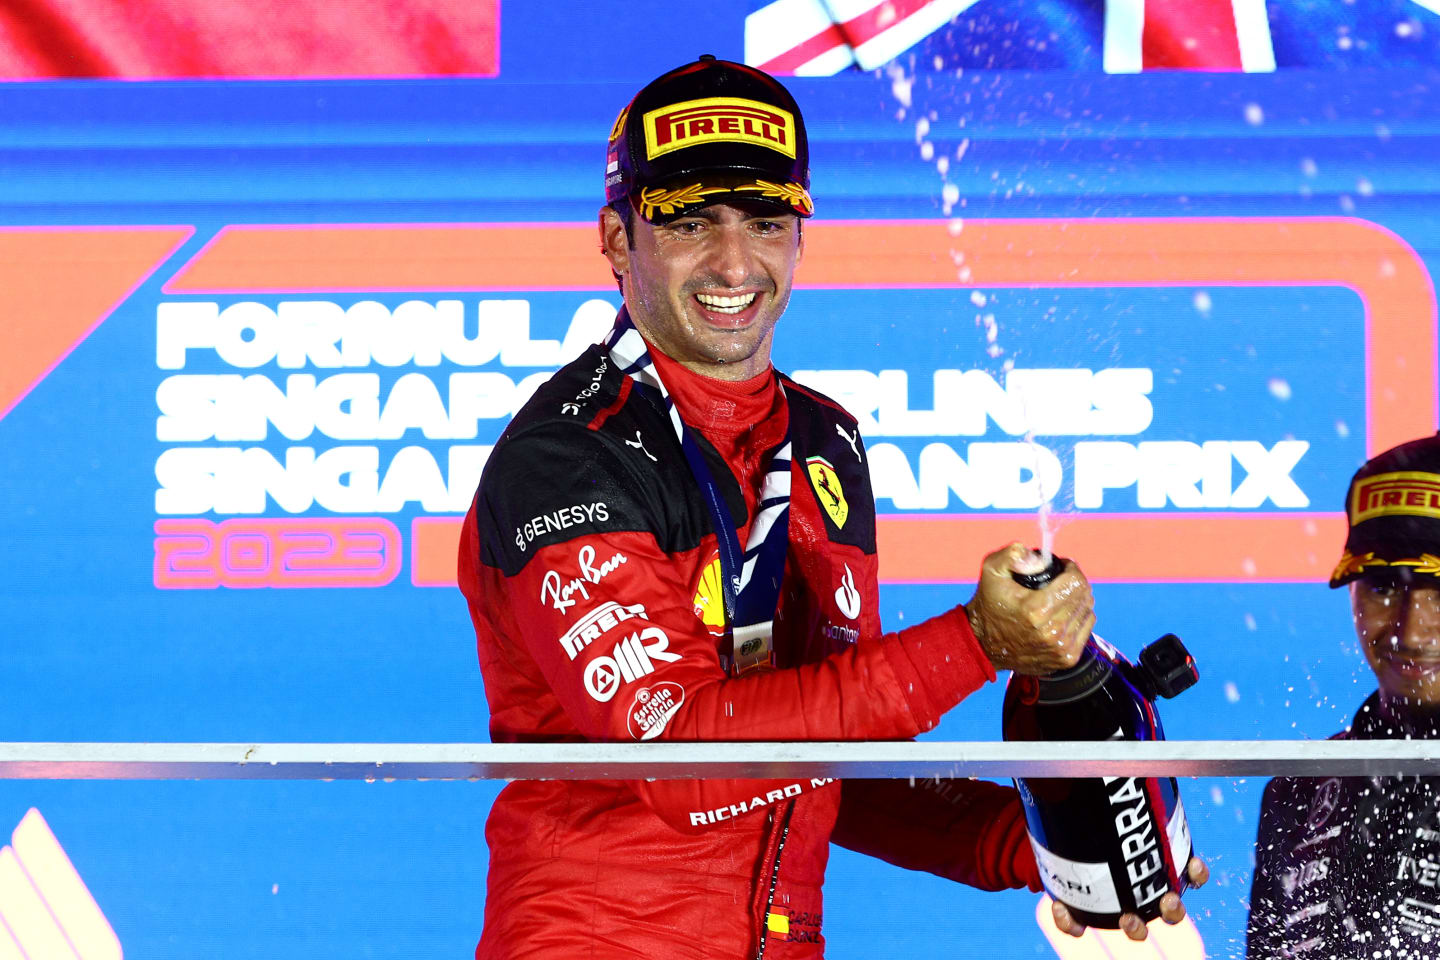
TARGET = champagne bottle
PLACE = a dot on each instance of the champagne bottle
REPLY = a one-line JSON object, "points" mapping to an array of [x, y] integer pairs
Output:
{"points": [[1107, 845]]}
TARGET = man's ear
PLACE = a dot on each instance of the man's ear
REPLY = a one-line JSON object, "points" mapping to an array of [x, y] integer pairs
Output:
{"points": [[800, 248], [613, 242]]}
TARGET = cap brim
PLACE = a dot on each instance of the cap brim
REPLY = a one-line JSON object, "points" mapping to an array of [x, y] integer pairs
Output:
{"points": [[685, 194], [1365, 555]]}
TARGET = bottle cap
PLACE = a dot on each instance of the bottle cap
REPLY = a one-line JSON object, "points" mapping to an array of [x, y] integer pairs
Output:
{"points": [[1034, 581], [1168, 667]]}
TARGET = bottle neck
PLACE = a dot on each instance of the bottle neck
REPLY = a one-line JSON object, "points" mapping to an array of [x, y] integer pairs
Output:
{"points": [[1089, 672]]}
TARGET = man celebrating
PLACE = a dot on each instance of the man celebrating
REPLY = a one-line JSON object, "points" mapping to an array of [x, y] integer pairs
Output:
{"points": [[674, 541], [1351, 867]]}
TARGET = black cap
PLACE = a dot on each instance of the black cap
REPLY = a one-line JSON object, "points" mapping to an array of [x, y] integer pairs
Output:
{"points": [[709, 132], [1393, 506]]}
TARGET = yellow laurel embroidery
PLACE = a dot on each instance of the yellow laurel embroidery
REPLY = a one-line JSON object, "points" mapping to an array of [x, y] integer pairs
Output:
{"points": [[1349, 563], [792, 193], [668, 201], [1425, 563]]}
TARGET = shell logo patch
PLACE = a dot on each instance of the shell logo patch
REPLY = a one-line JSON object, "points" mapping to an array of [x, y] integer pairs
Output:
{"points": [[709, 599], [828, 489]]}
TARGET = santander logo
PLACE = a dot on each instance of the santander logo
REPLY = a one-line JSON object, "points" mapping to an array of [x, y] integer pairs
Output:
{"points": [[847, 598]]}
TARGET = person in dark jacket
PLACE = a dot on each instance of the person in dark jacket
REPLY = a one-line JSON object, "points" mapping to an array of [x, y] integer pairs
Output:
{"points": [[1350, 867], [672, 541]]}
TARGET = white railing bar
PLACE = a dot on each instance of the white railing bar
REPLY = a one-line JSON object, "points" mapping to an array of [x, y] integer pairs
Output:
{"points": [[672, 761]]}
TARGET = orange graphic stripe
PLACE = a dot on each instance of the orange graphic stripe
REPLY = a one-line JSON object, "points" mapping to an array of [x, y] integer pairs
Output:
{"points": [[1115, 548], [1122, 548], [1381, 268], [57, 284], [434, 547]]}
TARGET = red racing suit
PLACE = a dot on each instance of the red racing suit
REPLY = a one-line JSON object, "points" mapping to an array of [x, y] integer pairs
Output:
{"points": [[591, 570]]}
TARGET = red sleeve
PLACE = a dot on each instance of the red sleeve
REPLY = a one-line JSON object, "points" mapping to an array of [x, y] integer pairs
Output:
{"points": [[608, 619], [970, 831]]}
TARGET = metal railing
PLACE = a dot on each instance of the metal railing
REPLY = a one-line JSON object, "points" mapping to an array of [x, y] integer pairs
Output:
{"points": [[671, 761]]}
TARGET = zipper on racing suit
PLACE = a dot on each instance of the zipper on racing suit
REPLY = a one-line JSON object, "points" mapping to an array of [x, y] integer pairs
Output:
{"points": [[778, 839]]}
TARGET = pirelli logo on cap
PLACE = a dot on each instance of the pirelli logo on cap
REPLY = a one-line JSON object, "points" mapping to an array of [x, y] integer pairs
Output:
{"points": [[718, 119], [1408, 493]]}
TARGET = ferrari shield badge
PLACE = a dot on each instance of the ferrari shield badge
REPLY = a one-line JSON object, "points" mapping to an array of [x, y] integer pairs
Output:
{"points": [[827, 489]]}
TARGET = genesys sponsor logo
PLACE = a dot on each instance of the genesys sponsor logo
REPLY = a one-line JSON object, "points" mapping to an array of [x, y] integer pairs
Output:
{"points": [[598, 622], [730, 811], [632, 658], [653, 708], [561, 592], [559, 521]]}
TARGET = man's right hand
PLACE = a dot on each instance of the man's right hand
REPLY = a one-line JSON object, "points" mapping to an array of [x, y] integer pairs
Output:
{"points": [[1030, 631]]}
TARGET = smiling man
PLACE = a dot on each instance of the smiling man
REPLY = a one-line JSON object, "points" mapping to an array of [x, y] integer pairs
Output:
{"points": [[1351, 867], [673, 541]]}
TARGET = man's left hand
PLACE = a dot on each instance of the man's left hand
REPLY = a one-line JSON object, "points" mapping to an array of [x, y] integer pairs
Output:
{"points": [[1171, 909]]}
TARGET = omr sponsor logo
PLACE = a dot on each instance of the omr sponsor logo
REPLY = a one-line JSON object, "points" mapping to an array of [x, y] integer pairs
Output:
{"points": [[633, 658]]}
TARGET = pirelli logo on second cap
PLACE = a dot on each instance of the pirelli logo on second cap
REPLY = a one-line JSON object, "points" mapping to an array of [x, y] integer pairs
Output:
{"points": [[1407, 493], [723, 119]]}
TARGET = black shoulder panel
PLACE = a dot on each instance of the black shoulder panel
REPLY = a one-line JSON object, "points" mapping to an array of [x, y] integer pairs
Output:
{"points": [[826, 441], [553, 476]]}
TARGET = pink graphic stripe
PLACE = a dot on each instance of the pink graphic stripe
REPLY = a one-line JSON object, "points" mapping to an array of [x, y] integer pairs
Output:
{"points": [[27, 916], [70, 901]]}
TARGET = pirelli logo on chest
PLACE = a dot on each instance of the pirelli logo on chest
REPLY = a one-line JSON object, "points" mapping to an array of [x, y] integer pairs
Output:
{"points": [[718, 119], [1407, 493]]}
